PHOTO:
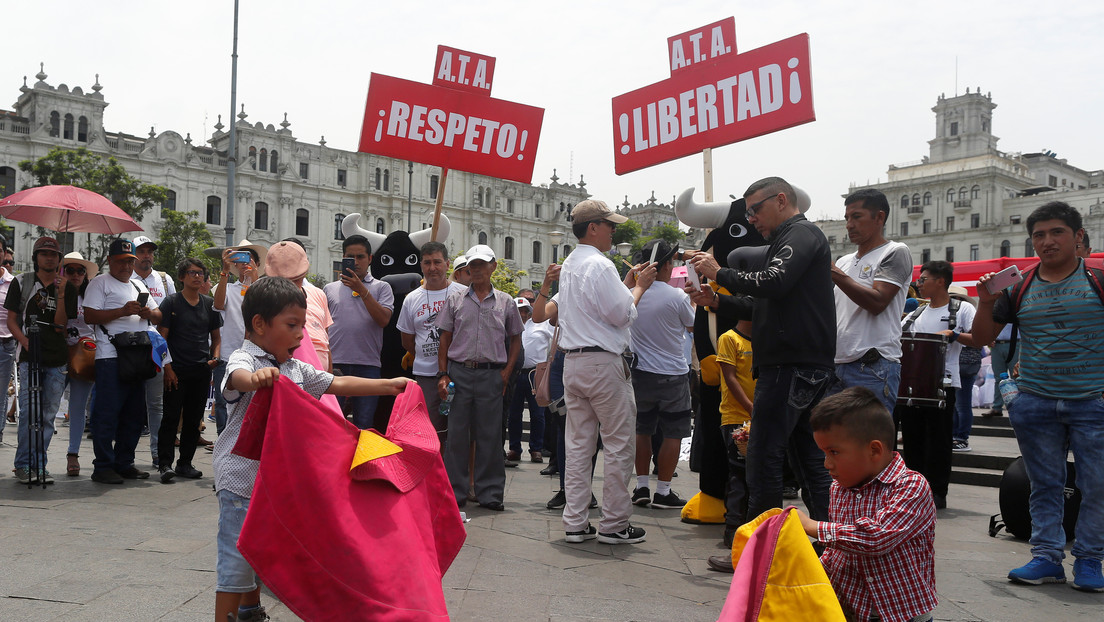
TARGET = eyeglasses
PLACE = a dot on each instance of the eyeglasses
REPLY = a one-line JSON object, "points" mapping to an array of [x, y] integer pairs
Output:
{"points": [[195, 273], [922, 280], [8, 262], [73, 270], [753, 209]]}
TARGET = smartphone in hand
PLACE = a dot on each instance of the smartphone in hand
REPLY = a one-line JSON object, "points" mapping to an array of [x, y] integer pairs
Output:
{"points": [[348, 264], [143, 298], [1004, 279]]}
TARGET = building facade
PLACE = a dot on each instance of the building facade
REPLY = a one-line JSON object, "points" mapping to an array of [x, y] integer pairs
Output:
{"points": [[285, 187], [966, 200]]}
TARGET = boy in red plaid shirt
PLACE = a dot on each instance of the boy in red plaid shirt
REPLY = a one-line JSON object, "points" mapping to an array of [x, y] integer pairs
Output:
{"points": [[880, 539]]}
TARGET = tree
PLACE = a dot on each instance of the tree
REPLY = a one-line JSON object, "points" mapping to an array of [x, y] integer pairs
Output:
{"points": [[184, 235], [626, 232], [668, 231], [84, 169], [505, 278]]}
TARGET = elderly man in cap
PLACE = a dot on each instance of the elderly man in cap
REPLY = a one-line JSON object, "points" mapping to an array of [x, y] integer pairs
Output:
{"points": [[160, 286], [245, 261], [111, 301], [32, 297], [595, 312], [460, 272], [475, 324]]}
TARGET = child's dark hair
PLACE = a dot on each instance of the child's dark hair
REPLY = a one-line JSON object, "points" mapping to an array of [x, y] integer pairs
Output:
{"points": [[188, 264], [859, 412], [269, 297]]}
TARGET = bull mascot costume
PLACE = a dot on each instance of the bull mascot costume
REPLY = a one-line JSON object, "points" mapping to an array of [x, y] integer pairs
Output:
{"points": [[397, 260]]}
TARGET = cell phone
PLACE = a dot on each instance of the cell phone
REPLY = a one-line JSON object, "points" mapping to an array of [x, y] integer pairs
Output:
{"points": [[1004, 279], [143, 298], [692, 276], [348, 263], [241, 257]]}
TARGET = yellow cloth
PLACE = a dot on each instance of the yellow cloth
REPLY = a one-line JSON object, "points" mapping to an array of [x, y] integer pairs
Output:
{"points": [[703, 509], [371, 446], [735, 349]]}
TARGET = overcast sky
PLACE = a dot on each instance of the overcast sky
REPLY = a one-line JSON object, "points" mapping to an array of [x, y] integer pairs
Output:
{"points": [[877, 69]]}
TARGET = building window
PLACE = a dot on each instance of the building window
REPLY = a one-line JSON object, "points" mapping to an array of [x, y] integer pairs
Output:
{"points": [[536, 252], [916, 199], [831, 240], [214, 210], [1029, 250], [82, 129], [253, 158], [55, 129], [337, 270], [1006, 249], [509, 249], [927, 225], [950, 223], [7, 181], [954, 132], [65, 241], [904, 229], [975, 192], [536, 210], [380, 226], [1014, 219], [302, 222], [482, 237], [338, 218], [273, 160], [169, 204], [342, 177], [950, 253], [1052, 181], [974, 252], [975, 221], [304, 170], [433, 183], [379, 179], [68, 133], [264, 160], [260, 215], [509, 206], [927, 198], [904, 200], [962, 193], [387, 180], [925, 256]]}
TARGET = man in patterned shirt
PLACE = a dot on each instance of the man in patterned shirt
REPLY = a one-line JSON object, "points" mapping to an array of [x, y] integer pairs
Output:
{"points": [[880, 534]]}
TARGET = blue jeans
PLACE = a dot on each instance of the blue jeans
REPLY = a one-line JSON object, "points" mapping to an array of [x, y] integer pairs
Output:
{"points": [[53, 385], [7, 365], [1046, 430], [155, 410], [784, 397], [219, 408], [883, 377], [964, 408], [232, 573], [523, 393], [363, 406], [118, 413], [79, 392]]}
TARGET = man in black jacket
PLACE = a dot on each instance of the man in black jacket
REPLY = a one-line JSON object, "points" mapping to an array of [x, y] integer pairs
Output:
{"points": [[794, 331]]}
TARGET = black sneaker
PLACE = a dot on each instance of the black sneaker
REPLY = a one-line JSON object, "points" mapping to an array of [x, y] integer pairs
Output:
{"points": [[958, 446], [557, 501], [252, 614], [791, 492], [107, 476], [189, 471], [133, 472], [167, 474], [583, 535], [642, 496], [628, 535], [669, 501]]}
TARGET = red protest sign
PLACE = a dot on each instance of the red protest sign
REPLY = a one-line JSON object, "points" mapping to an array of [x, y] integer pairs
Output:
{"points": [[463, 70], [702, 45], [450, 128], [739, 96]]}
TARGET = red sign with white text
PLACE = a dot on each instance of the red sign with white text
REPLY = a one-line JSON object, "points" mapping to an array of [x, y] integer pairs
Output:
{"points": [[702, 45], [450, 128], [462, 70], [739, 96]]}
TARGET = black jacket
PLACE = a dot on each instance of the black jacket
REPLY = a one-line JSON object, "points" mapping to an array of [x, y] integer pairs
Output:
{"points": [[794, 311]]}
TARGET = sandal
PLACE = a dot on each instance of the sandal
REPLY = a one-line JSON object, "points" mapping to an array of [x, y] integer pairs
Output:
{"points": [[72, 466]]}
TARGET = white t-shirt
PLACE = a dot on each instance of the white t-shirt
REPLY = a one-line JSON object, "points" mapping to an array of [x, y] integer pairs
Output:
{"points": [[933, 320], [105, 293], [159, 289], [662, 317], [858, 330], [233, 326], [418, 317], [535, 341]]}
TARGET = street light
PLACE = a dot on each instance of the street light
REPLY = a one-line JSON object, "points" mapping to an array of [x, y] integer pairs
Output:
{"points": [[624, 249], [556, 237]]}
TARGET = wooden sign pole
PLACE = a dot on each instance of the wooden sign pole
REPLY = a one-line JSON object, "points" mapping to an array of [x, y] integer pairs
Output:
{"points": [[707, 160], [440, 199]]}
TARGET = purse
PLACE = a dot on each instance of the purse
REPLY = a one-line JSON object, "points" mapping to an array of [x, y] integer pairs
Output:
{"points": [[82, 359], [541, 376], [134, 352]]}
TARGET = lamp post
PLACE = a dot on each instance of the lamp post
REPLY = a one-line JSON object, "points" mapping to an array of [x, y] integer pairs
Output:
{"points": [[409, 193], [624, 249], [555, 237]]}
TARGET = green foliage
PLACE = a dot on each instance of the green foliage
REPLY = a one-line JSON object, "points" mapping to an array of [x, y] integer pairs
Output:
{"points": [[317, 280], [183, 235], [626, 232], [505, 278], [668, 231], [84, 169]]}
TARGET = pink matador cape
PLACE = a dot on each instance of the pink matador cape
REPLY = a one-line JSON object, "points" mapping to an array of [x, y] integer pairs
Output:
{"points": [[346, 524]]}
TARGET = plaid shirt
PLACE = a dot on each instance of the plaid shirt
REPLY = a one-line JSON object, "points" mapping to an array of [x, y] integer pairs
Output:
{"points": [[880, 551]]}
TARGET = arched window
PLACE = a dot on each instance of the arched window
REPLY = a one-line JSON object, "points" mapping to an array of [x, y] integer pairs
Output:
{"points": [[1006, 249], [214, 210], [273, 159], [536, 252], [509, 252], [482, 237], [479, 198], [264, 160], [904, 200], [379, 184], [260, 215], [1029, 250], [916, 199], [338, 235], [380, 226], [567, 250], [434, 181], [68, 132], [7, 181], [302, 222], [950, 195], [387, 180], [962, 193], [975, 192], [927, 198], [82, 129], [55, 124], [170, 202], [253, 158]]}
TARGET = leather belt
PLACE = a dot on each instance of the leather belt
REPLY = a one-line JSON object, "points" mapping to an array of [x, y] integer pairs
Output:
{"points": [[474, 365], [870, 357], [586, 349]]}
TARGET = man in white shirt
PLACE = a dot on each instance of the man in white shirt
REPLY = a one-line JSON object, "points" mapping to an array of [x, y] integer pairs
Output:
{"points": [[8, 345], [535, 341], [871, 287], [160, 286], [595, 312], [418, 326], [228, 302]]}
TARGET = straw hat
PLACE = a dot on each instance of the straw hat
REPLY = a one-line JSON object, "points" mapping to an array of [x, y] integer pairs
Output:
{"points": [[958, 291], [261, 251], [76, 258]]}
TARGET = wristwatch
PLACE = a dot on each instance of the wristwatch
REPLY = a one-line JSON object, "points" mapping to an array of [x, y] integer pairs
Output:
{"points": [[441, 374]]}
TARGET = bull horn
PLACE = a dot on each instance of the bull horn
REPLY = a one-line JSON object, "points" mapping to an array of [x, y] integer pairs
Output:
{"points": [[700, 215], [351, 226], [803, 200], [419, 238]]}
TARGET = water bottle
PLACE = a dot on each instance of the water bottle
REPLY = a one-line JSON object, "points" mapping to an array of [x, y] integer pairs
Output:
{"points": [[446, 404], [1008, 389]]}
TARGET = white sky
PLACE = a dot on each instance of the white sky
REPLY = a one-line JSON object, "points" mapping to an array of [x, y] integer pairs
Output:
{"points": [[877, 67]]}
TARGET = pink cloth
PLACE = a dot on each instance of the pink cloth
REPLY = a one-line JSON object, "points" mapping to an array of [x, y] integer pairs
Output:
{"points": [[318, 323], [306, 353]]}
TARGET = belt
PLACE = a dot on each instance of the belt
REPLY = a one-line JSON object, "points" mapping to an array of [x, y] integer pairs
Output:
{"points": [[7, 339], [870, 357], [474, 365], [586, 349]]}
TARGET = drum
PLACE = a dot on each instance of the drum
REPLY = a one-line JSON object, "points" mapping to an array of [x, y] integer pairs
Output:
{"points": [[922, 361]]}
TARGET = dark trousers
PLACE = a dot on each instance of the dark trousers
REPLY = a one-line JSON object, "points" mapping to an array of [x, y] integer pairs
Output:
{"points": [[784, 397], [523, 394], [476, 416], [736, 497], [186, 402], [118, 414], [926, 431]]}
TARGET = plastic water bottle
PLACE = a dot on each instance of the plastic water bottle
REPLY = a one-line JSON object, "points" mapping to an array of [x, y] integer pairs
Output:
{"points": [[446, 404], [1008, 389]]}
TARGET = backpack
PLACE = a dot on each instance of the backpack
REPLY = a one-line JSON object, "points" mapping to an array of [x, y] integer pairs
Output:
{"points": [[1093, 273]]}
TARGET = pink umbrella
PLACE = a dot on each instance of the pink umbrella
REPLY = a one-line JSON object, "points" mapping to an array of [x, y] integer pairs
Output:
{"points": [[67, 209]]}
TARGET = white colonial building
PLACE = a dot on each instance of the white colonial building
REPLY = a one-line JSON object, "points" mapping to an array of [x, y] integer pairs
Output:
{"points": [[966, 200], [285, 187]]}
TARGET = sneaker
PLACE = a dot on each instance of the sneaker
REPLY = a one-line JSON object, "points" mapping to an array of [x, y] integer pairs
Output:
{"points": [[583, 535], [107, 476], [133, 472], [791, 492], [996, 412], [145, 430], [167, 474], [1039, 571], [189, 471], [47, 478], [558, 501], [960, 446], [628, 535], [642, 496], [1087, 576], [24, 476], [669, 501], [252, 614], [593, 501]]}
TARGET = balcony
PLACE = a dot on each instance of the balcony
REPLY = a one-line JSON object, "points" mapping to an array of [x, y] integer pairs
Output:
{"points": [[916, 211], [963, 206]]}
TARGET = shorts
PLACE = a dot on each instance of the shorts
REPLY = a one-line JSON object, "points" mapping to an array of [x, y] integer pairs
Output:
{"points": [[663, 403], [233, 573]]}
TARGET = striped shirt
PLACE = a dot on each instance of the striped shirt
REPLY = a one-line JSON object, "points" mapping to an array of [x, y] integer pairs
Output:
{"points": [[880, 543]]}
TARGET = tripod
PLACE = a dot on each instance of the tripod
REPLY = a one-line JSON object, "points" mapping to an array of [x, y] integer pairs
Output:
{"points": [[36, 426]]}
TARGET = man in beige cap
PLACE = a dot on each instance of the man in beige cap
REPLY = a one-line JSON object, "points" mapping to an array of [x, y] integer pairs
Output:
{"points": [[595, 312]]}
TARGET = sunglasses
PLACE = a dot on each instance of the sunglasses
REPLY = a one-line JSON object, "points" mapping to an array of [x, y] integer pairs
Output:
{"points": [[8, 263], [74, 270]]}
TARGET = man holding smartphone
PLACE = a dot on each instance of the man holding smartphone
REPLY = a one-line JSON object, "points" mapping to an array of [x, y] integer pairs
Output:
{"points": [[159, 286], [246, 262]]}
